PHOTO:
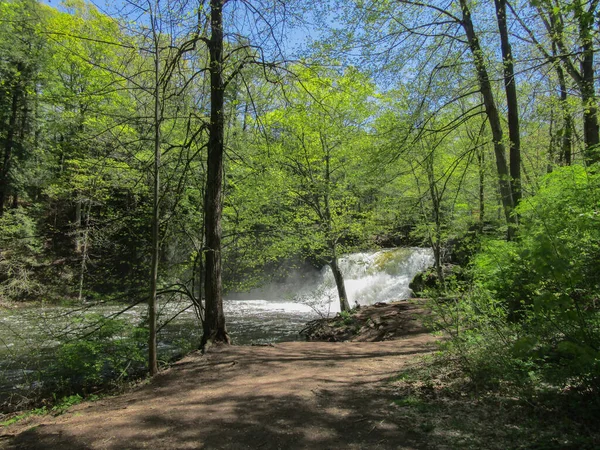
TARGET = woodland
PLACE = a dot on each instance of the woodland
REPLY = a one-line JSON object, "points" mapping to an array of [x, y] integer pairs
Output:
{"points": [[172, 148]]}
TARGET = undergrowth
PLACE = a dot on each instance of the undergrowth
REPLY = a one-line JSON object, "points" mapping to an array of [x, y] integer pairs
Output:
{"points": [[519, 364], [454, 411]]}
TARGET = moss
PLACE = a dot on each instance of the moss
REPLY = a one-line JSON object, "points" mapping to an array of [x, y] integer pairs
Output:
{"points": [[390, 261]]}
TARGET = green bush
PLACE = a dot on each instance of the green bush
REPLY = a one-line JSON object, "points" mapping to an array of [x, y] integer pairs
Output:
{"points": [[532, 316], [111, 350], [19, 244], [557, 251]]}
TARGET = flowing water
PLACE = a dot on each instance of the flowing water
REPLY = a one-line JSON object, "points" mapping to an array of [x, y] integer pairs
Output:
{"points": [[275, 313]]}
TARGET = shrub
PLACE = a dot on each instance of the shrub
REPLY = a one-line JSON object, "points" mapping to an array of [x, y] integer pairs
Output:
{"points": [[113, 351], [532, 315], [19, 246]]}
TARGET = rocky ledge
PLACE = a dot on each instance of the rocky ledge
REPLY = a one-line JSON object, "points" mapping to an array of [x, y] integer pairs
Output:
{"points": [[378, 322]]}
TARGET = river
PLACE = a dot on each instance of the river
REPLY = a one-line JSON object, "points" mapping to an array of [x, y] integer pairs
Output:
{"points": [[274, 313]]}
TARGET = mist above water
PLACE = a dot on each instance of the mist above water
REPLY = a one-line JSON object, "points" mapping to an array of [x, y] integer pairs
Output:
{"points": [[274, 313], [370, 277]]}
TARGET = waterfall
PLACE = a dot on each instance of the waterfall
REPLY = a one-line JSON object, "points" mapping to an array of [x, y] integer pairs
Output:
{"points": [[273, 313], [370, 277]]}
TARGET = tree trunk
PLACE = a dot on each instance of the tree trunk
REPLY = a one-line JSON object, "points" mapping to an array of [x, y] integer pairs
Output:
{"points": [[84, 251], [493, 119], [155, 246], [591, 132], [566, 133], [328, 218], [585, 77], [78, 228], [214, 321], [339, 283], [436, 239], [512, 104], [481, 162], [8, 149], [567, 128]]}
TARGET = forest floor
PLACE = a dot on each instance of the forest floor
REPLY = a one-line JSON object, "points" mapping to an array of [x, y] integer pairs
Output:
{"points": [[296, 395]]}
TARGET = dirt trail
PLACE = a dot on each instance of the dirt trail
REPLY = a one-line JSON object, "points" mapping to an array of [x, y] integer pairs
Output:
{"points": [[298, 395]]}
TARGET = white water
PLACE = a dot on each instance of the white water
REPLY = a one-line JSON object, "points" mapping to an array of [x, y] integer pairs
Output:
{"points": [[380, 276], [274, 314], [370, 277]]}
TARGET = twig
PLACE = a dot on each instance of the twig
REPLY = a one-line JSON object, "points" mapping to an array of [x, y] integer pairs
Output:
{"points": [[375, 426]]}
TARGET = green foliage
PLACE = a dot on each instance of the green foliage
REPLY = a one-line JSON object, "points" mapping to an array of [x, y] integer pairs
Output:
{"points": [[17, 418], [111, 351], [555, 260], [18, 233], [320, 163], [306, 186], [346, 317], [20, 246], [60, 406], [345, 314], [532, 318], [65, 403]]}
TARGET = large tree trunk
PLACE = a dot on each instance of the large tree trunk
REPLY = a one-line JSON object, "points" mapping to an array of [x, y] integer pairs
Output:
{"points": [[591, 132], [214, 321], [510, 87], [339, 283], [153, 300], [8, 149], [493, 119]]}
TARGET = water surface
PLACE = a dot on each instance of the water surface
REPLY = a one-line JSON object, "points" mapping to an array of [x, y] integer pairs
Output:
{"points": [[275, 313]]}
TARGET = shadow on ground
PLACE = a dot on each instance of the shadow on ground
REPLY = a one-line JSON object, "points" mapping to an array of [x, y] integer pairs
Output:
{"points": [[291, 396]]}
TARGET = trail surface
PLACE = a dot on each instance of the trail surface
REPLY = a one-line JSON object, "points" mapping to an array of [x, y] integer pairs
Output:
{"points": [[297, 395]]}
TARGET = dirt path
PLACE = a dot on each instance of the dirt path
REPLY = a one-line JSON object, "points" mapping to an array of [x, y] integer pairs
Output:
{"points": [[299, 395]]}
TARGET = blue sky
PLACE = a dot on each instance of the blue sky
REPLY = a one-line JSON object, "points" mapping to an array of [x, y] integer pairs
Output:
{"points": [[294, 41]]}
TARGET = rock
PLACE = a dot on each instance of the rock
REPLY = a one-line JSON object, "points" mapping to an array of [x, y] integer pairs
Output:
{"points": [[373, 323], [429, 279], [422, 281]]}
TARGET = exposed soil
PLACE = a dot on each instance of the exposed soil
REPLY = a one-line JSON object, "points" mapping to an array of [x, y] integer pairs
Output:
{"points": [[298, 395], [379, 322]]}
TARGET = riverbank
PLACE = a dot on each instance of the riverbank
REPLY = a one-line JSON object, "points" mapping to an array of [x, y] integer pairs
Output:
{"points": [[374, 323], [306, 395], [47, 351], [284, 395], [289, 395]]}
